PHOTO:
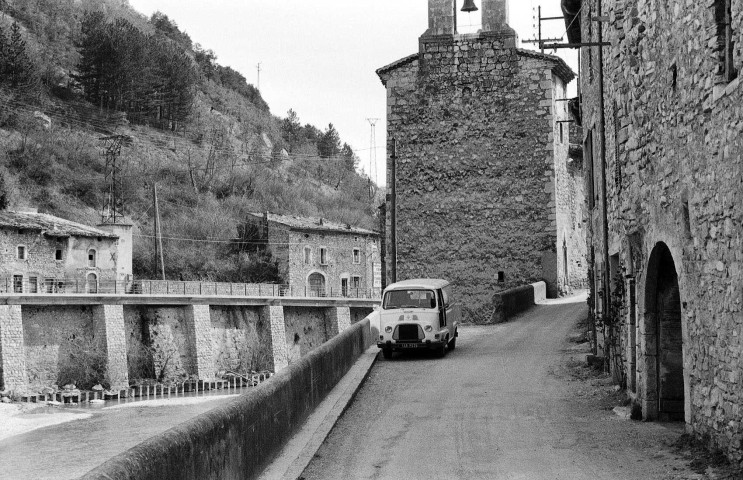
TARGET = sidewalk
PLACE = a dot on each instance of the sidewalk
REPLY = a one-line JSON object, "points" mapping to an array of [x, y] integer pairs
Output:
{"points": [[298, 452]]}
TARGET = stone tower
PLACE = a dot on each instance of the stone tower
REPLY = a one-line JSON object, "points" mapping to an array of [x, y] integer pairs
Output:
{"points": [[473, 182]]}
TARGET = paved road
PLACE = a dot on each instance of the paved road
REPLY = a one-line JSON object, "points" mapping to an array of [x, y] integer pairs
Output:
{"points": [[498, 407]]}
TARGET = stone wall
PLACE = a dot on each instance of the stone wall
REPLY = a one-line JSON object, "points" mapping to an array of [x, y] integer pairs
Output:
{"points": [[306, 329], [239, 338], [474, 179], [674, 180], [48, 340], [51, 336]]}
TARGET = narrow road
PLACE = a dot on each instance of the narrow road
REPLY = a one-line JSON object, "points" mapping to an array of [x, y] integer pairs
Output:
{"points": [[495, 408]]}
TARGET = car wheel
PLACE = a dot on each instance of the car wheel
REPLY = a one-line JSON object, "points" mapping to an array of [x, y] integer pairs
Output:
{"points": [[441, 351], [453, 343], [387, 353]]}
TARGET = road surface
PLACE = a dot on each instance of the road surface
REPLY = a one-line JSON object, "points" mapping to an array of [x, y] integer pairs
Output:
{"points": [[501, 406]]}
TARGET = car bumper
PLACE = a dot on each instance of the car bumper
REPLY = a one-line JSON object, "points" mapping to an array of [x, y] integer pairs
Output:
{"points": [[424, 345]]}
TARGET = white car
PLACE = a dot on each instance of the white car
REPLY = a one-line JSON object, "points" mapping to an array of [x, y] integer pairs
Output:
{"points": [[418, 314]]}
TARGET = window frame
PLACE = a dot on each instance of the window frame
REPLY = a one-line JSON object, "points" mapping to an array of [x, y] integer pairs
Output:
{"points": [[307, 252], [94, 259], [21, 248], [323, 255], [356, 256]]}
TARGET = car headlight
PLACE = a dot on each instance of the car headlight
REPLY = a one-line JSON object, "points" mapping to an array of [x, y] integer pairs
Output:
{"points": [[388, 329], [428, 328]]}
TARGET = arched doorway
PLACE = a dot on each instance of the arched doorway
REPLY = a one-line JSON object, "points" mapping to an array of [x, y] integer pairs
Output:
{"points": [[664, 338], [316, 282], [91, 283]]}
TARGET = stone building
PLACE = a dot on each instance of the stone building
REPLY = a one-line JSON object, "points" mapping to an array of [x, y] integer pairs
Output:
{"points": [[44, 254], [662, 111], [320, 257], [478, 180]]}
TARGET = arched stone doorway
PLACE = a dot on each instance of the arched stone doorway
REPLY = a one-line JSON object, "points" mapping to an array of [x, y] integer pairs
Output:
{"points": [[316, 282], [664, 363]]}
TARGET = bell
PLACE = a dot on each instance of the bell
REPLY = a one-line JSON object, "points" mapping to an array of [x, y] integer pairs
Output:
{"points": [[469, 6]]}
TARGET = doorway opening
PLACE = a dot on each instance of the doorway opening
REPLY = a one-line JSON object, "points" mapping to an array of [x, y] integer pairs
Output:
{"points": [[664, 362]]}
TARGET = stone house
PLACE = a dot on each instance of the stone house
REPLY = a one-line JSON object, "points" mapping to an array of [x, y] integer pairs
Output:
{"points": [[480, 189], [662, 111], [319, 257], [42, 253]]}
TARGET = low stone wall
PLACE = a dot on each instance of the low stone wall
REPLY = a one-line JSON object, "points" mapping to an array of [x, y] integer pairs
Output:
{"points": [[238, 441], [509, 303]]}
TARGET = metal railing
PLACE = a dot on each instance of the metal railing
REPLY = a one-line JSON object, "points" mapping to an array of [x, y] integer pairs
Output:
{"points": [[28, 286]]}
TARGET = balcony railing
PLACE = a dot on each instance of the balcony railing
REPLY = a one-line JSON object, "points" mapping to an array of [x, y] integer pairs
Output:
{"points": [[26, 286]]}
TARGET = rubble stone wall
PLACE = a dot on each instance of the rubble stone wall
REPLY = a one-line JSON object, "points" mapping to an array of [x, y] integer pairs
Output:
{"points": [[674, 143], [474, 123], [306, 329]]}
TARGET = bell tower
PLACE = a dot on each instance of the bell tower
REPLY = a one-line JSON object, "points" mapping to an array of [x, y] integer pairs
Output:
{"points": [[442, 17]]}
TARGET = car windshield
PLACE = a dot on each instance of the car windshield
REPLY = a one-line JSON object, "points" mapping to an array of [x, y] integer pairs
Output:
{"points": [[414, 298]]}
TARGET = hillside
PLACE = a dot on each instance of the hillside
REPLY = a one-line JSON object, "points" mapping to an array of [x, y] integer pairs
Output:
{"points": [[73, 72]]}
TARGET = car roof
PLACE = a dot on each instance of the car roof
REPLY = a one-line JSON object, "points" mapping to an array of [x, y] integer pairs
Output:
{"points": [[418, 283]]}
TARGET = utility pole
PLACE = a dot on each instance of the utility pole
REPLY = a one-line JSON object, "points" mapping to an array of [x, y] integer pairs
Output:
{"points": [[373, 150], [541, 40], [258, 85], [158, 234]]}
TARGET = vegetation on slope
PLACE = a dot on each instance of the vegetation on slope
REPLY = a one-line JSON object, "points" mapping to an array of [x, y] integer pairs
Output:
{"points": [[75, 71]]}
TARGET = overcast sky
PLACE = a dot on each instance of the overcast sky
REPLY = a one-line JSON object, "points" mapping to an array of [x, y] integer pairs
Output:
{"points": [[319, 57]]}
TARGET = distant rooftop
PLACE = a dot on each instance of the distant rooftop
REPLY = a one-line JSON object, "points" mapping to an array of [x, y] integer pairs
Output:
{"points": [[314, 224], [49, 225]]}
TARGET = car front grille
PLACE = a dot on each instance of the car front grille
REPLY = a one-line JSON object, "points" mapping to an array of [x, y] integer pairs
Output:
{"points": [[408, 333]]}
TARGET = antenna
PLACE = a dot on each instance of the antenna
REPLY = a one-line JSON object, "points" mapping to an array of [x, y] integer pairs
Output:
{"points": [[258, 85], [373, 150], [113, 206]]}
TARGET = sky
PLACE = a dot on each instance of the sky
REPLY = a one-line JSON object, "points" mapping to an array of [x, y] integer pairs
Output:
{"points": [[319, 57]]}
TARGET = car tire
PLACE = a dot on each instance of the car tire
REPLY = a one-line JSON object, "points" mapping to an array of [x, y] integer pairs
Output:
{"points": [[441, 351], [387, 353], [453, 343]]}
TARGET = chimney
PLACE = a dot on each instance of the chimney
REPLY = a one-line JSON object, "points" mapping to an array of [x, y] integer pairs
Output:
{"points": [[495, 16], [441, 20]]}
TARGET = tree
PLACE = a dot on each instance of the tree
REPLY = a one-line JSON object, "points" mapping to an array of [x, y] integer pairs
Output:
{"points": [[17, 65], [4, 195], [350, 160], [291, 129], [329, 144]]}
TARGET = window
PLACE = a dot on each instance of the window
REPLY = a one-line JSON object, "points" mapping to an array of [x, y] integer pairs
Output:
{"points": [[91, 283], [356, 255], [91, 258], [49, 285], [18, 283], [58, 254], [355, 285], [501, 277], [725, 43], [561, 134], [307, 255], [323, 256], [33, 285], [21, 252]]}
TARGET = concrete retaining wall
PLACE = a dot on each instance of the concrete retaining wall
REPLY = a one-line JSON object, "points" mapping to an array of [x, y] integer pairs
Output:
{"points": [[509, 303], [238, 440]]}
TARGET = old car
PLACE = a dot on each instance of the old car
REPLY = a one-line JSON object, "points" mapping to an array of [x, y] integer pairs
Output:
{"points": [[418, 314]]}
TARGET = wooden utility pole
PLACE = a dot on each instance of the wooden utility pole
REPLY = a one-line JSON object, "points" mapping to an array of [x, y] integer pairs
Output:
{"points": [[158, 234]]}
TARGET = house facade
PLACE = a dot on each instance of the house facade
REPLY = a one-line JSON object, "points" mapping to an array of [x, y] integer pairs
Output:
{"points": [[42, 253], [319, 257], [662, 112], [479, 175]]}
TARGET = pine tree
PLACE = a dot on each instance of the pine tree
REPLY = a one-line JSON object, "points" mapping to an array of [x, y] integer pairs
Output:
{"points": [[18, 67], [4, 45], [329, 144]]}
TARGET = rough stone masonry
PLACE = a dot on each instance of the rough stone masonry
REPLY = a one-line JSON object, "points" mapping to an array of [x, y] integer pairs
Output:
{"points": [[673, 116], [478, 127]]}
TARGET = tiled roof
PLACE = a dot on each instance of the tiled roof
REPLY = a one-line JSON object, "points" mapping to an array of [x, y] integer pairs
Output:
{"points": [[314, 224], [560, 68], [49, 225], [398, 63]]}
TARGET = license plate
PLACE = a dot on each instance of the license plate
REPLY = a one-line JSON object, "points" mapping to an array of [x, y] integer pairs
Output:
{"points": [[409, 345]]}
